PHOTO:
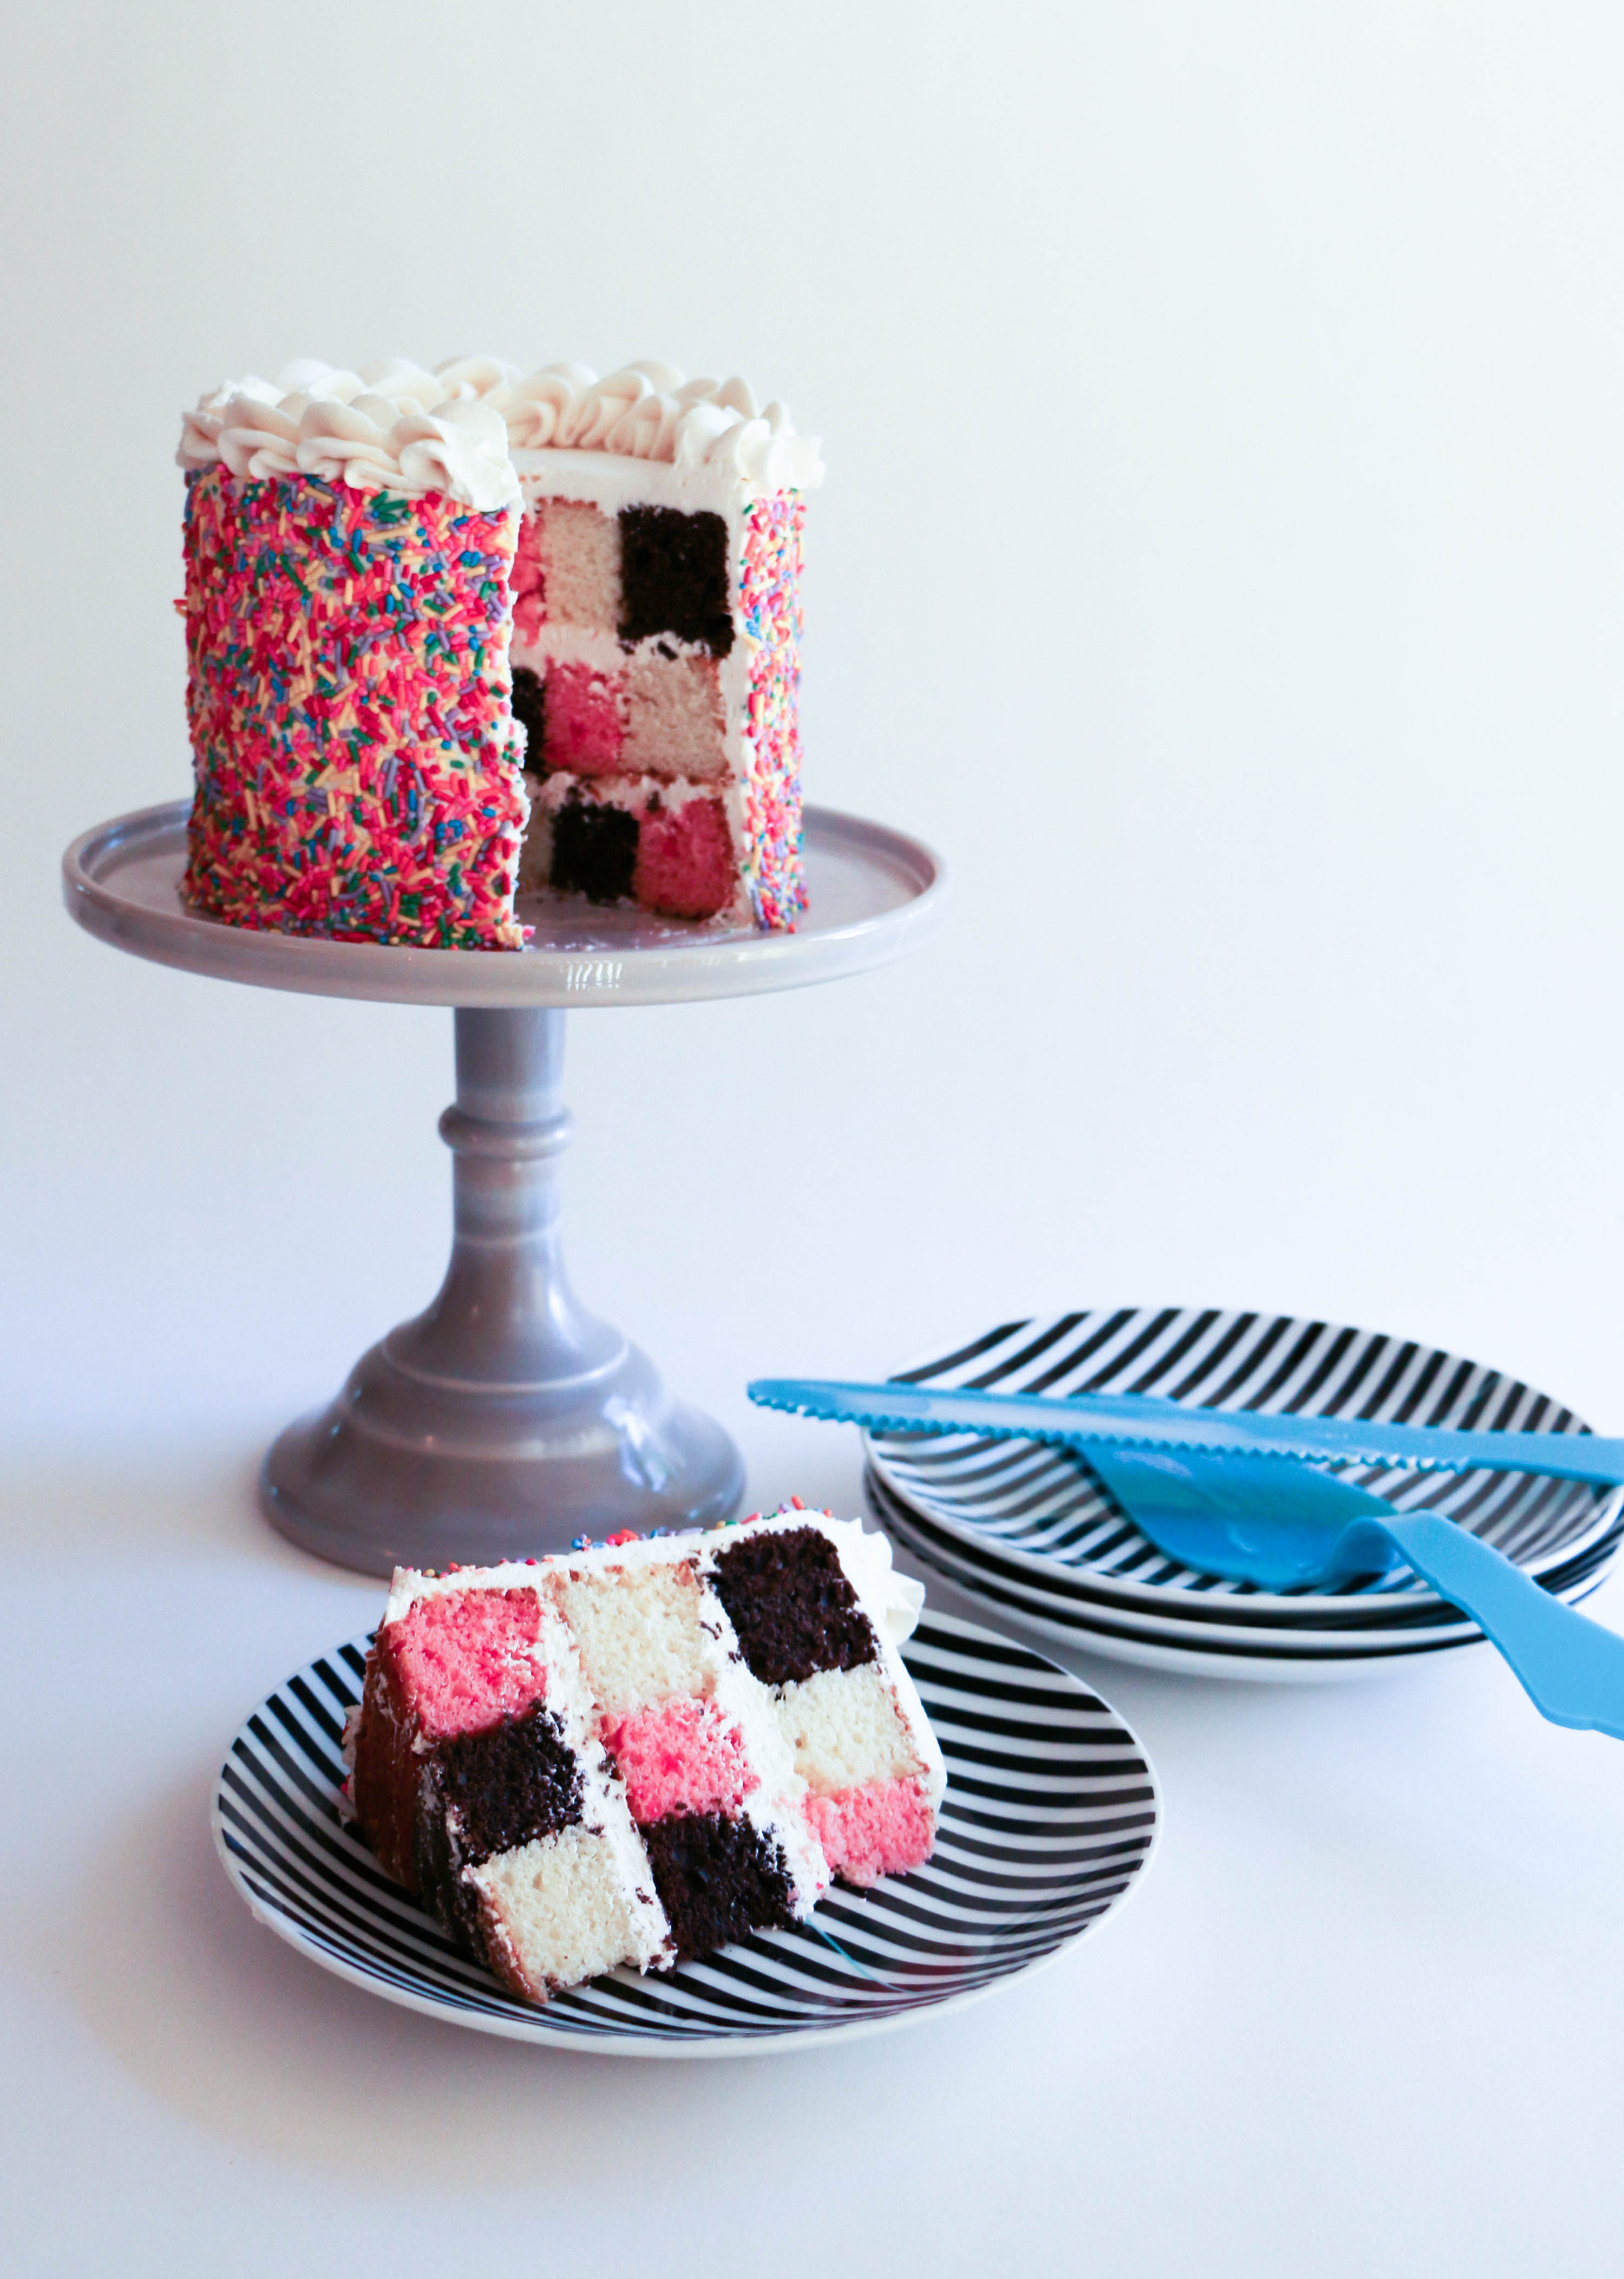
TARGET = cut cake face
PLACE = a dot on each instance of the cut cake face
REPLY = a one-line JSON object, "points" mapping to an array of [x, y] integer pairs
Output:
{"points": [[657, 640], [845, 1704], [637, 1753], [480, 1783], [389, 611]]}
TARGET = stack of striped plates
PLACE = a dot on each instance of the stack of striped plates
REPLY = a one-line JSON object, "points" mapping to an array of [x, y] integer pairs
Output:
{"points": [[1029, 1528]]}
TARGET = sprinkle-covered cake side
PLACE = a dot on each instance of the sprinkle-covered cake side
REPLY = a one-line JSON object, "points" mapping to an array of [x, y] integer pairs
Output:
{"points": [[769, 594], [348, 608]]}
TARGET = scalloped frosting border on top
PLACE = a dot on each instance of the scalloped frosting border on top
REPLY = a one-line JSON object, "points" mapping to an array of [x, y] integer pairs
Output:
{"points": [[391, 426], [398, 426]]}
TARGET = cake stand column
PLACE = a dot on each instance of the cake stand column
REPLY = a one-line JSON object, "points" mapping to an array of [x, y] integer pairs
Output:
{"points": [[506, 1420]]}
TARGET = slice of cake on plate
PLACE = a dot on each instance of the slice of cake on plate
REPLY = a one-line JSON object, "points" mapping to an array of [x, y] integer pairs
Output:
{"points": [[636, 1754]]}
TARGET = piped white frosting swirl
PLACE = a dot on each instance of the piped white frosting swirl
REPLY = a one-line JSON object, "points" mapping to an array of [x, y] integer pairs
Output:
{"points": [[395, 426], [648, 410], [391, 427]]}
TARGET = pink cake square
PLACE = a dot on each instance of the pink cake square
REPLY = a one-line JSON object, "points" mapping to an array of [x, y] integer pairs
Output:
{"points": [[685, 859], [586, 724], [529, 586], [678, 1757]]}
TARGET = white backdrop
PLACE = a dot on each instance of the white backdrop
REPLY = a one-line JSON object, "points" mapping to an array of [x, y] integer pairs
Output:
{"points": [[1221, 560]]}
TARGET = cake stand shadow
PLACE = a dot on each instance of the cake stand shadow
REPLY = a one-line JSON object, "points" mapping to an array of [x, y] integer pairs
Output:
{"points": [[506, 1419]]}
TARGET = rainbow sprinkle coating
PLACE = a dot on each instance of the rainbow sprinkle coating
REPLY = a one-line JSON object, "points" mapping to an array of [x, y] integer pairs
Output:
{"points": [[348, 693], [769, 601]]}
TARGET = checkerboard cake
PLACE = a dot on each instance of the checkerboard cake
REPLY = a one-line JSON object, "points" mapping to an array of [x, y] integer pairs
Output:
{"points": [[455, 634], [634, 1753]]}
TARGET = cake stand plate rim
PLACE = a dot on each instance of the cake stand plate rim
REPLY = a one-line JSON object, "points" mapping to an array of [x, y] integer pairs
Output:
{"points": [[908, 883]]}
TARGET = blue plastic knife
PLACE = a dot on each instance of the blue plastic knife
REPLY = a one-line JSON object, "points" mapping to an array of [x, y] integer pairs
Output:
{"points": [[1138, 1419]]}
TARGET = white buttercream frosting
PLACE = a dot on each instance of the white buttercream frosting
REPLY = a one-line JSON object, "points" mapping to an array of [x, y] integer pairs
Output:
{"points": [[648, 410], [391, 427], [394, 425]]}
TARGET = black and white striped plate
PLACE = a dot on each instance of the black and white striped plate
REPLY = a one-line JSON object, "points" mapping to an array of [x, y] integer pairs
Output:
{"points": [[1050, 1818], [1031, 1528]]}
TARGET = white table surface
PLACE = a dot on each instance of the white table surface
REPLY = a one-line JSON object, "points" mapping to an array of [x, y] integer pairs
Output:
{"points": [[1364, 2015], [1220, 562]]}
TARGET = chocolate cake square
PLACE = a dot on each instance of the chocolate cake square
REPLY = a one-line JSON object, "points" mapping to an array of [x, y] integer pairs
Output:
{"points": [[792, 1606], [674, 576], [594, 850]]}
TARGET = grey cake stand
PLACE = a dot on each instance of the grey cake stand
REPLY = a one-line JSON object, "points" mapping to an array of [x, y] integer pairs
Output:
{"points": [[506, 1419]]}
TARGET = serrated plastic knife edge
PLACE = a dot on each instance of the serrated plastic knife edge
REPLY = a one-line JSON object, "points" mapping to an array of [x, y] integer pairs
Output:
{"points": [[1142, 1421]]}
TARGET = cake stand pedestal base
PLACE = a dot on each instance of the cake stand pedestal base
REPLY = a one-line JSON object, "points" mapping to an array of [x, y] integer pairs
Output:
{"points": [[506, 1420]]}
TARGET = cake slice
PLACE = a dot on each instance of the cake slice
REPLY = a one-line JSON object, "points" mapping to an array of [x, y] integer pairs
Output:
{"points": [[349, 548], [637, 1752]]}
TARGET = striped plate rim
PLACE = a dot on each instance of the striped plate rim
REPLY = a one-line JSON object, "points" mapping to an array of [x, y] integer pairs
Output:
{"points": [[1051, 1817], [1041, 1507]]}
